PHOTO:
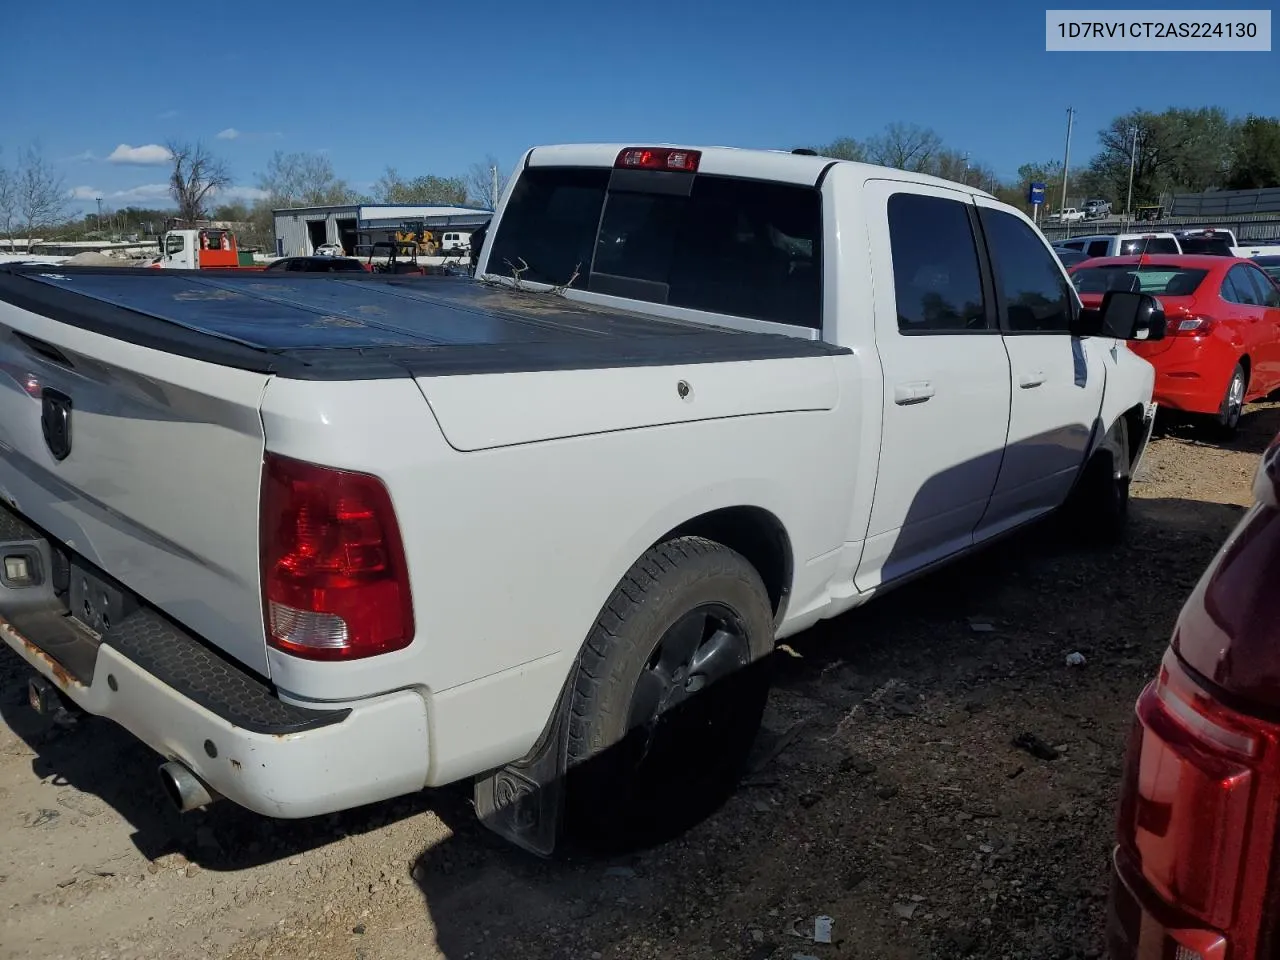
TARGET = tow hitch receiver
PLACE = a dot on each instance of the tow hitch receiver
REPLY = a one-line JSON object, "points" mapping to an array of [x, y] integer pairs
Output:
{"points": [[48, 701]]}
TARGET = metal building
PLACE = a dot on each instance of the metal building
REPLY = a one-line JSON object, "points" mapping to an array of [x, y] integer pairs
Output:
{"points": [[300, 230]]}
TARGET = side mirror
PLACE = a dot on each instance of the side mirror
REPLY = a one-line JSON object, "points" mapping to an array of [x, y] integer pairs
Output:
{"points": [[1123, 316]]}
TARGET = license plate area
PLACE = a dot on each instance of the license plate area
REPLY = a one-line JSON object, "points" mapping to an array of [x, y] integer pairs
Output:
{"points": [[95, 602]]}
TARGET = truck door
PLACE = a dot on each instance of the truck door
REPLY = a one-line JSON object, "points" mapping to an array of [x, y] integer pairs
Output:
{"points": [[180, 250], [945, 399], [1058, 379]]}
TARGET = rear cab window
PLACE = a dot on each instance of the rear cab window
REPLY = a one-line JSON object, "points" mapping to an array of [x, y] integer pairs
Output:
{"points": [[1209, 246], [725, 245]]}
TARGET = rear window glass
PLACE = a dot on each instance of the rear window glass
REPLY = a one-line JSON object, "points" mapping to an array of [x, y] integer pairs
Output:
{"points": [[1136, 245], [1209, 246], [737, 247], [1169, 281], [550, 224]]}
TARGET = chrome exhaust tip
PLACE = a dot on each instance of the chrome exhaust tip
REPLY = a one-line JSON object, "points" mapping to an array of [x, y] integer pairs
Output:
{"points": [[184, 789]]}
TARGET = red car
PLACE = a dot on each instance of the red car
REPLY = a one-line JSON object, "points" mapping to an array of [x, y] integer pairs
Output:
{"points": [[1222, 345], [1197, 865]]}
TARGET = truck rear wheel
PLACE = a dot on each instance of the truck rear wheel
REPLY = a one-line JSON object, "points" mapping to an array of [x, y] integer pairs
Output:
{"points": [[669, 695]]}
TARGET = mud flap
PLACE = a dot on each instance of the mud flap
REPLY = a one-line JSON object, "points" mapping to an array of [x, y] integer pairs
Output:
{"points": [[523, 802], [1148, 428]]}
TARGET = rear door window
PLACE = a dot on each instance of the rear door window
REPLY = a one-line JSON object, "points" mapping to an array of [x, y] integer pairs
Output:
{"points": [[937, 282], [1099, 248], [1267, 292], [1238, 288]]}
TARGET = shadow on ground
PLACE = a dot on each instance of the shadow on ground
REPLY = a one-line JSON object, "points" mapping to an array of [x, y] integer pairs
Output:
{"points": [[828, 832], [1259, 425]]}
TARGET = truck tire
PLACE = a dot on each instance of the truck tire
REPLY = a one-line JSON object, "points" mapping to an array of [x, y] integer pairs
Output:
{"points": [[669, 695], [1098, 511]]}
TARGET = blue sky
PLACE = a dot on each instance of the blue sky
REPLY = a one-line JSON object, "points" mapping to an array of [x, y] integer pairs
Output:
{"points": [[433, 88]]}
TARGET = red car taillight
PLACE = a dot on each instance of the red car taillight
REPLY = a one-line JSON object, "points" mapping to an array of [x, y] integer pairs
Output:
{"points": [[335, 582], [1197, 816], [1194, 326]]}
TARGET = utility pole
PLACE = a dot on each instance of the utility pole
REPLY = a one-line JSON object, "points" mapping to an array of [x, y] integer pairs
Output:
{"points": [[966, 168], [494, 171], [1133, 153], [1066, 157], [99, 199]]}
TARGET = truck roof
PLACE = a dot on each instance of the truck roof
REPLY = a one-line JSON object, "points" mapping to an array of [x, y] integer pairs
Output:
{"points": [[347, 326], [779, 165]]}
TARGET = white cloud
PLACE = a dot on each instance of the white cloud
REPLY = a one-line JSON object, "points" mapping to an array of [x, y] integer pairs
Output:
{"points": [[83, 157], [143, 193], [149, 193], [247, 194], [231, 133], [146, 155]]}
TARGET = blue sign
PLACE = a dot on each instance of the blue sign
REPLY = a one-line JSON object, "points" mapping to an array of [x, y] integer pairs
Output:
{"points": [[1036, 194]]}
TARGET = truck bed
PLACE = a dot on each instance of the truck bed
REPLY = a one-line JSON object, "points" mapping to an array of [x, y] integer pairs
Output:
{"points": [[341, 327]]}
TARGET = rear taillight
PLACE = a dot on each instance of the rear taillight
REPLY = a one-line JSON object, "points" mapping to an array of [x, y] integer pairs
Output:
{"points": [[658, 158], [1191, 326], [1197, 817], [334, 579]]}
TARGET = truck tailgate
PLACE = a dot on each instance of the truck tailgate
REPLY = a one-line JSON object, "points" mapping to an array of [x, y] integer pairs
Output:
{"points": [[159, 484]]}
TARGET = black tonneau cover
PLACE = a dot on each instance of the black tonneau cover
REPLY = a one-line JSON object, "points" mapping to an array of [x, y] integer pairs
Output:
{"points": [[359, 327]]}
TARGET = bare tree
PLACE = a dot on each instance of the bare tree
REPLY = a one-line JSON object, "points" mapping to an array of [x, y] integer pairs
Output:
{"points": [[303, 179], [486, 183], [196, 174], [905, 147], [40, 192], [844, 148], [8, 202]]}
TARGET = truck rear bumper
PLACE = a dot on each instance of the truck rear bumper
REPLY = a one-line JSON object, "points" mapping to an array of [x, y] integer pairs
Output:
{"points": [[190, 704]]}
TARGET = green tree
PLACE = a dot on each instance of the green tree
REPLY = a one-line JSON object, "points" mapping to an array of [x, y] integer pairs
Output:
{"points": [[1257, 161], [1178, 150]]}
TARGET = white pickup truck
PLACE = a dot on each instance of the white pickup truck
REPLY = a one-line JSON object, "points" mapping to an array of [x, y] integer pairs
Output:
{"points": [[1220, 241], [322, 539]]}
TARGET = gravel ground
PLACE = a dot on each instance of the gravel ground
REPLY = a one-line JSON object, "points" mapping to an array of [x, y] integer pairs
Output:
{"points": [[890, 794]]}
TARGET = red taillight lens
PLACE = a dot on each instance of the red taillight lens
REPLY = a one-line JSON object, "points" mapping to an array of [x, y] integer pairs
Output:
{"points": [[656, 158], [1191, 326], [1190, 794], [335, 581]]}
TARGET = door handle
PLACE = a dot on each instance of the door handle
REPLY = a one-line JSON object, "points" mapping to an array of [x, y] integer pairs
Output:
{"points": [[1029, 380], [905, 394]]}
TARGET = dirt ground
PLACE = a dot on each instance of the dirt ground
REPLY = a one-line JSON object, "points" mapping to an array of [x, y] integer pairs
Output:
{"points": [[890, 796]]}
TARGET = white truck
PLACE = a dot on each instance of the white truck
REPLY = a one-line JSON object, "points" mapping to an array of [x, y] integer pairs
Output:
{"points": [[323, 540], [1066, 215], [1219, 241]]}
